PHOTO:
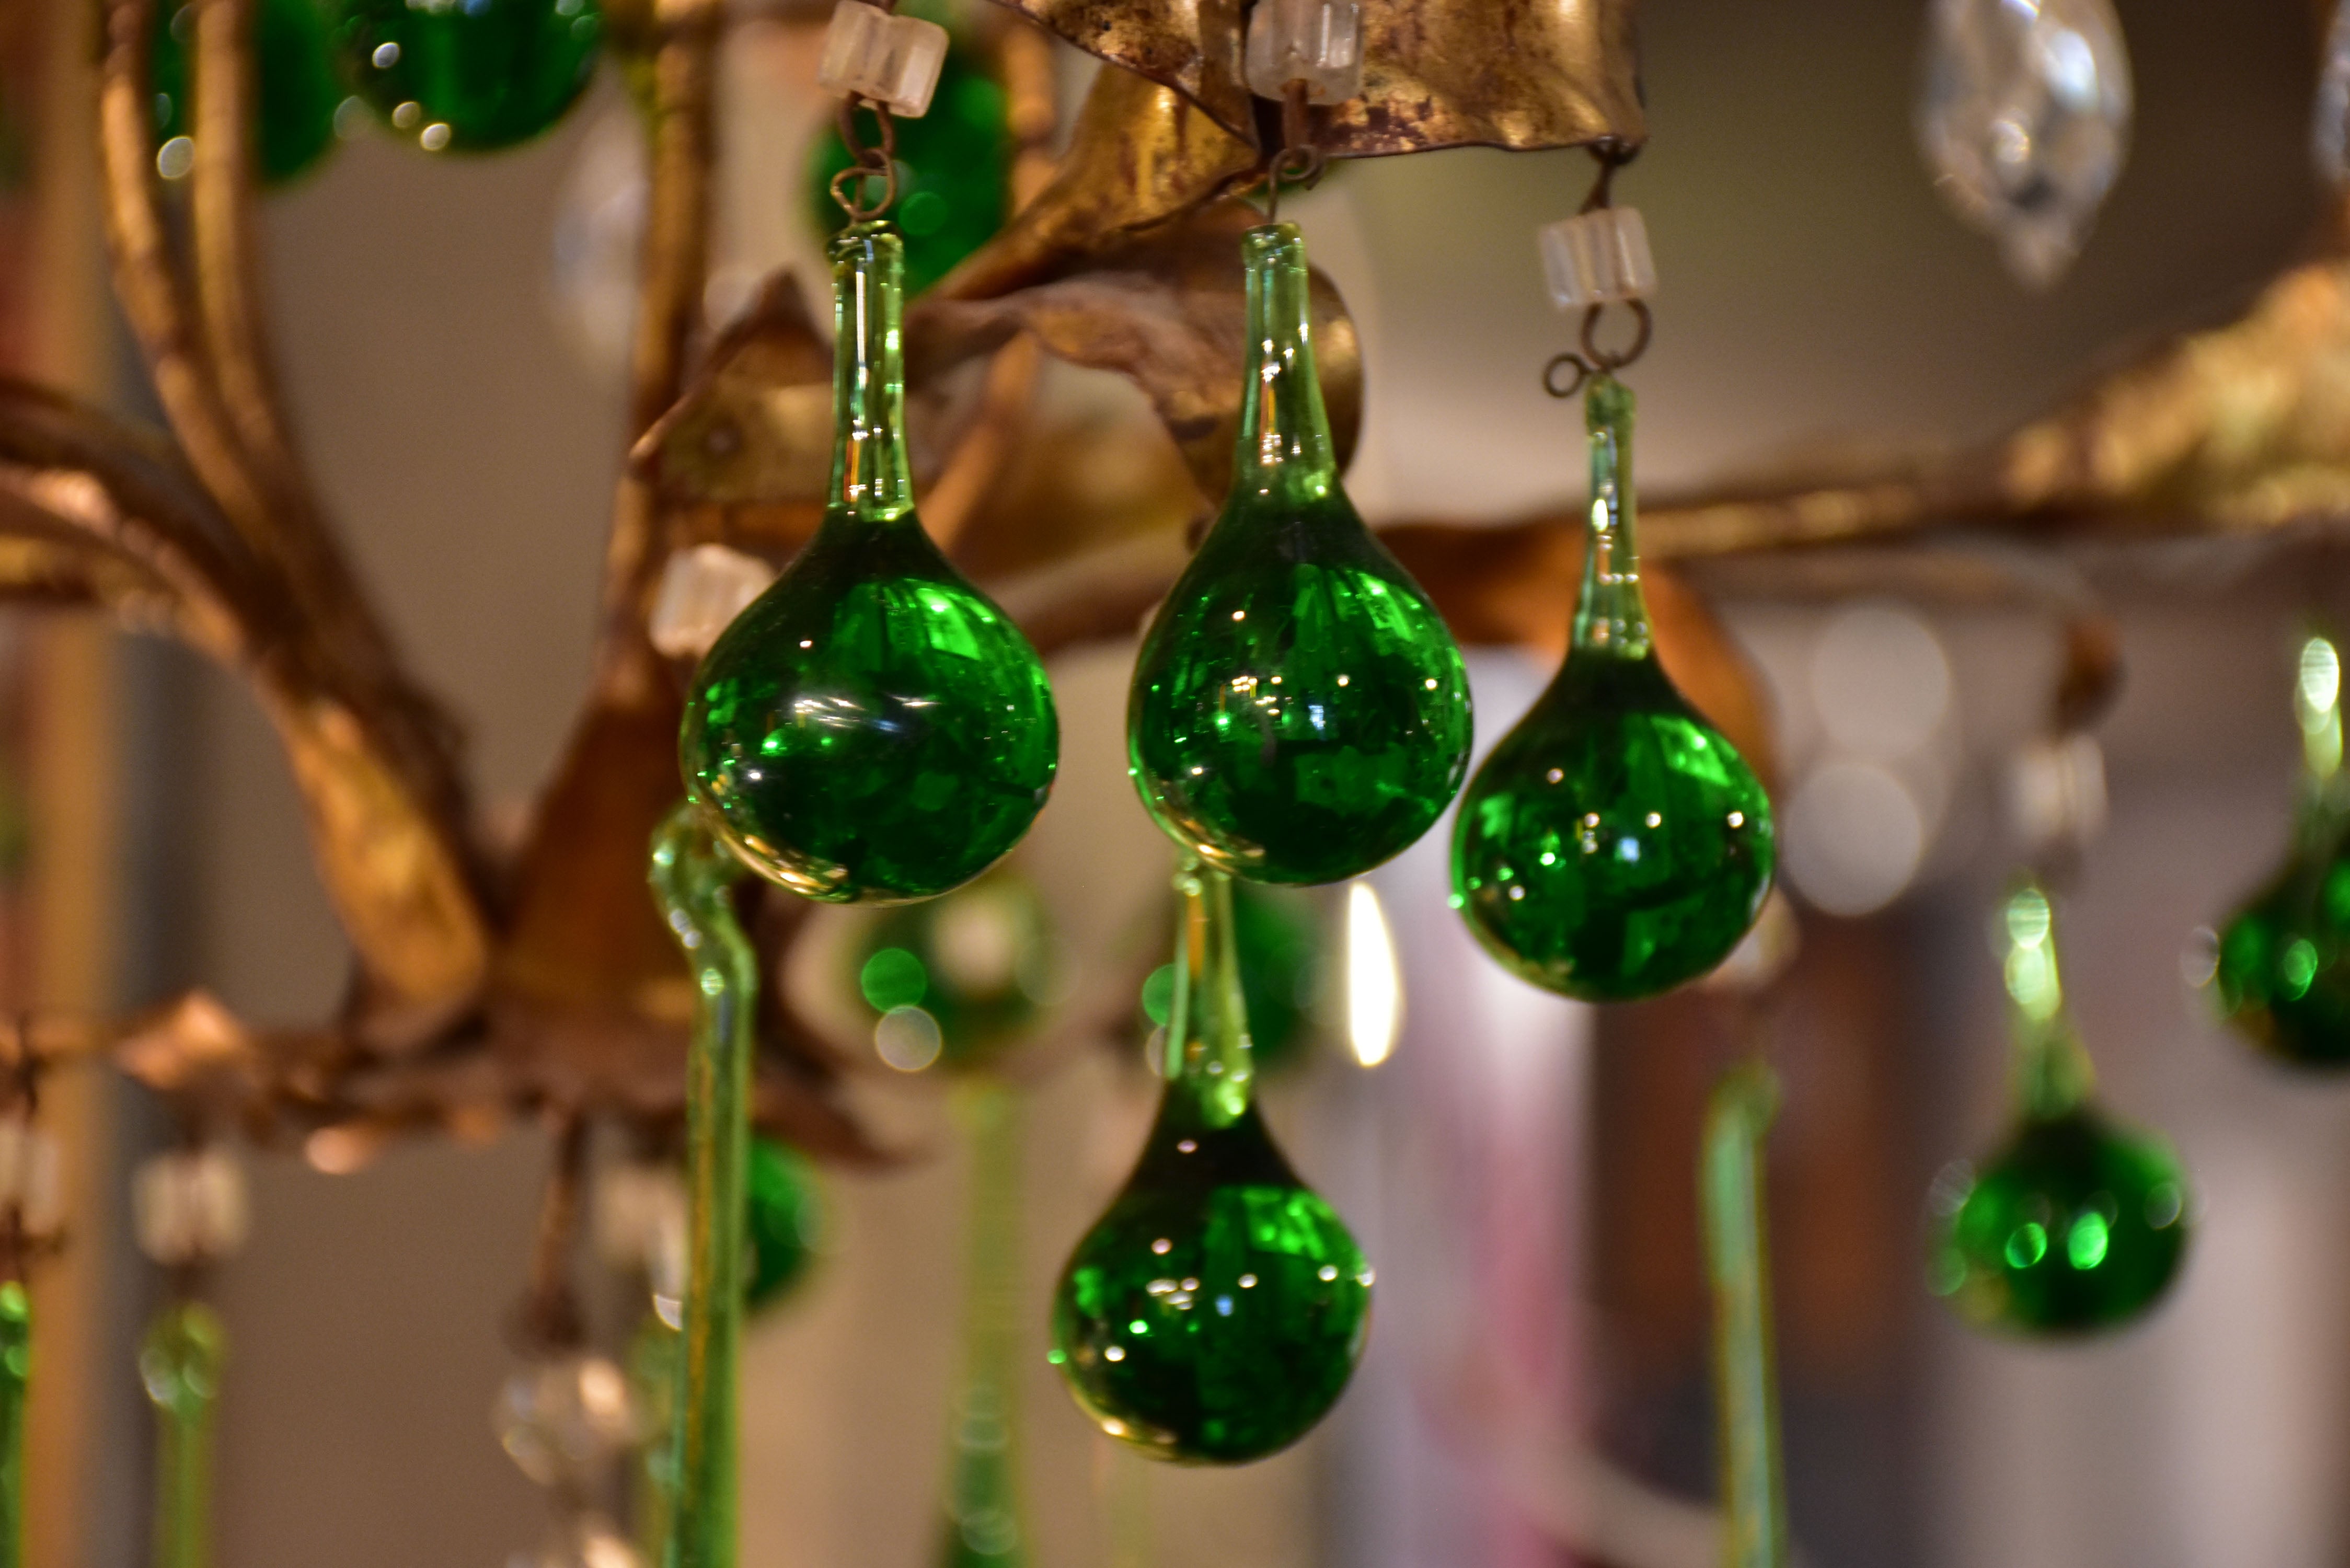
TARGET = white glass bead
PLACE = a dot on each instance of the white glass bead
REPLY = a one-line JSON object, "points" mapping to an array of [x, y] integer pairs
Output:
{"points": [[702, 591], [893, 60], [2056, 792], [565, 1420], [1599, 257], [1317, 42], [190, 1205], [28, 1177]]}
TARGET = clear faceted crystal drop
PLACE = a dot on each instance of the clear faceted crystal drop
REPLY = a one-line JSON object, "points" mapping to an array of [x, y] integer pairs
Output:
{"points": [[2025, 121]]}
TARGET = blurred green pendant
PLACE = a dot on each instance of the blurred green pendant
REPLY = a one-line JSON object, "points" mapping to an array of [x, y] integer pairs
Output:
{"points": [[2076, 1224], [16, 1386], [1614, 845], [294, 81], [960, 979], [2283, 971], [471, 76], [1299, 713], [784, 1208], [872, 729], [1215, 1312], [180, 1363], [954, 171]]}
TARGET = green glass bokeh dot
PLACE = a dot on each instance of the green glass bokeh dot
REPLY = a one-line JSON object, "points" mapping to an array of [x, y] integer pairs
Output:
{"points": [[2076, 1226], [954, 171], [473, 77], [295, 83], [783, 1208], [978, 961]]}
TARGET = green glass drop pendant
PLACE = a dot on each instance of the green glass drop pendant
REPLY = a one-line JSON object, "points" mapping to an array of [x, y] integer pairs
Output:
{"points": [[954, 171], [180, 1363], [1214, 1313], [872, 729], [15, 1389], [470, 77], [1299, 713], [1614, 845], [2282, 978], [295, 82], [2076, 1224], [785, 1215]]}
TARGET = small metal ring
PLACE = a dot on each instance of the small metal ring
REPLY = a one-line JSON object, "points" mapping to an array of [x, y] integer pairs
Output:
{"points": [[870, 162], [1583, 373], [1603, 359]]}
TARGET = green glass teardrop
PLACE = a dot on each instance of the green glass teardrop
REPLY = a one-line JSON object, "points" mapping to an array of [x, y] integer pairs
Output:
{"points": [[954, 171], [470, 77], [1216, 1310], [2283, 975], [2076, 1224], [1615, 844], [295, 82], [786, 1213], [1299, 713], [872, 728]]}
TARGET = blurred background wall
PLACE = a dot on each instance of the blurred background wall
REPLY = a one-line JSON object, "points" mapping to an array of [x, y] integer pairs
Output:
{"points": [[1815, 293]]}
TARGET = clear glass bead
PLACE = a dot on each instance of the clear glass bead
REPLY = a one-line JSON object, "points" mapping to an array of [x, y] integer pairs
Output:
{"points": [[583, 1540], [2025, 121], [893, 60], [2330, 127], [565, 1420], [1598, 258], [1317, 42], [702, 591], [190, 1205]]}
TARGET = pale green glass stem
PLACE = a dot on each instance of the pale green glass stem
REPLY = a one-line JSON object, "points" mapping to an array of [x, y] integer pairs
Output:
{"points": [[16, 1386], [653, 1356], [1611, 617], [871, 477], [987, 1525], [691, 877], [1208, 1049], [1745, 1377], [1284, 454], [180, 1363], [2052, 1073]]}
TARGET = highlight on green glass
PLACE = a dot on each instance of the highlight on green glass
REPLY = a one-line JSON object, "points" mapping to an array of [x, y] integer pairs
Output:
{"points": [[2283, 971], [873, 728], [1215, 1312], [1299, 713], [297, 89], [2075, 1224], [470, 78], [1615, 845]]}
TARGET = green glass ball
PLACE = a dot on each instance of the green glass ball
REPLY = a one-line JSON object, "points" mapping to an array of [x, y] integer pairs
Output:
{"points": [[1299, 713], [1215, 1312], [2282, 978], [295, 82], [471, 76], [783, 1205], [1614, 845], [872, 729], [979, 961], [2076, 1226], [954, 171]]}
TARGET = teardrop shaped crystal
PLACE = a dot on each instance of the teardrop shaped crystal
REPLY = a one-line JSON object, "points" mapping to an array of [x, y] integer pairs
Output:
{"points": [[873, 728], [1299, 713], [470, 77], [1615, 844], [1215, 1312], [2025, 121], [2075, 1224], [2282, 978]]}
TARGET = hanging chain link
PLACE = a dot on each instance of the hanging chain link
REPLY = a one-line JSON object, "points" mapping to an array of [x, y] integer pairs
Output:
{"points": [[1299, 161], [1594, 360], [870, 161]]}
